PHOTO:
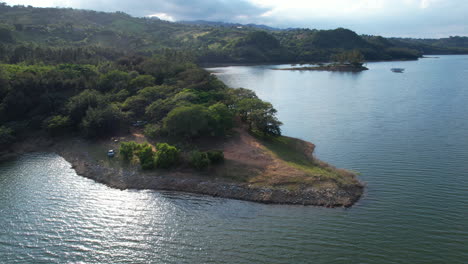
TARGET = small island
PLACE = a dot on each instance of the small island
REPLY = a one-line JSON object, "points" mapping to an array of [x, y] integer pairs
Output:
{"points": [[329, 67], [351, 61]]}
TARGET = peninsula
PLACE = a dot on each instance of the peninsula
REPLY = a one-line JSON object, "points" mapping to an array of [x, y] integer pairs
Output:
{"points": [[171, 126]]}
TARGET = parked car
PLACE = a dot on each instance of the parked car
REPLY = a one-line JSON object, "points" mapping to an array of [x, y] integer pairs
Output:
{"points": [[111, 153], [139, 123]]}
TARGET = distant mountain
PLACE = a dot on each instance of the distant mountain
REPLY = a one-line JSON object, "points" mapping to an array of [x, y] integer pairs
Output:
{"points": [[228, 25], [450, 45]]}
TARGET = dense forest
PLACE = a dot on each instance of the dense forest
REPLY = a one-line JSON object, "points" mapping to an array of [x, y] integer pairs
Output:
{"points": [[60, 35], [168, 93]]}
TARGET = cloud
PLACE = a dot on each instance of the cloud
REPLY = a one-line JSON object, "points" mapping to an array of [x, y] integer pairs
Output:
{"points": [[176, 9], [163, 16], [419, 18]]}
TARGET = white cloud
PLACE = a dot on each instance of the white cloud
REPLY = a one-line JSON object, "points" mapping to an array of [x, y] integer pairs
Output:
{"points": [[427, 3], [420, 18], [163, 16]]}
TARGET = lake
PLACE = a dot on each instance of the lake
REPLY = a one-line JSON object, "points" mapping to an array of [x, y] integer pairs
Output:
{"points": [[406, 134]]}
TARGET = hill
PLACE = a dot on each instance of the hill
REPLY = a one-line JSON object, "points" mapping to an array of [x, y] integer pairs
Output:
{"points": [[26, 32]]}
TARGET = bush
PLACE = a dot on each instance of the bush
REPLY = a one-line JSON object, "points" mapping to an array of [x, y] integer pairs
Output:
{"points": [[57, 125], [166, 156], [127, 149], [215, 156], [6, 136], [146, 156], [103, 121], [199, 160]]}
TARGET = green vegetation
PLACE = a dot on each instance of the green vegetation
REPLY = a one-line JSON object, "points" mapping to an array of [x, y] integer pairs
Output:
{"points": [[166, 156], [127, 150], [145, 155], [6, 136], [180, 101], [353, 57], [57, 125], [296, 155], [199, 160], [259, 115], [215, 156]]}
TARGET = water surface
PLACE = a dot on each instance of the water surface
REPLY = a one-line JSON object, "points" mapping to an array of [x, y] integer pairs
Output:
{"points": [[405, 133]]}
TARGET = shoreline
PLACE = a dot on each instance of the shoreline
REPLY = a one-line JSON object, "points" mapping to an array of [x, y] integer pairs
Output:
{"points": [[209, 183], [206, 65], [330, 68]]}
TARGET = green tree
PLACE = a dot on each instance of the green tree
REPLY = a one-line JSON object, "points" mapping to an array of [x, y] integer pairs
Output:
{"points": [[135, 104], [6, 34], [146, 156], [187, 121], [141, 82], [199, 160], [6, 136], [127, 150], [222, 118], [166, 156], [215, 156], [102, 121], [264, 120], [79, 104], [260, 116], [157, 110], [114, 81], [57, 125], [156, 92], [4, 84]]}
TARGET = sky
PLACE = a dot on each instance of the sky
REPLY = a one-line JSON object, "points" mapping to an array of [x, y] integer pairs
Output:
{"points": [[389, 18]]}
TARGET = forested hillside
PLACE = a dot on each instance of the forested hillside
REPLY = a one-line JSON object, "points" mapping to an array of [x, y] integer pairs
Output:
{"points": [[28, 33]]}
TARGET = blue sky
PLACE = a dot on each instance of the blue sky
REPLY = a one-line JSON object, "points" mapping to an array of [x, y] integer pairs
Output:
{"points": [[401, 18]]}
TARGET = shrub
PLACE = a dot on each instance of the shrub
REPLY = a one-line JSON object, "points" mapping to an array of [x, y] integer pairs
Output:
{"points": [[215, 156], [127, 149], [146, 156], [199, 160], [57, 125], [166, 156]]}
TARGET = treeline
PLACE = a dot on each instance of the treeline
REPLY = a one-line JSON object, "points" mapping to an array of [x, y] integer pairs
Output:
{"points": [[176, 99], [32, 53]]}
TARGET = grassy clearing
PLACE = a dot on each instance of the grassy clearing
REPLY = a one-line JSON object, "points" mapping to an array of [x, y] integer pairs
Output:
{"points": [[295, 153]]}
